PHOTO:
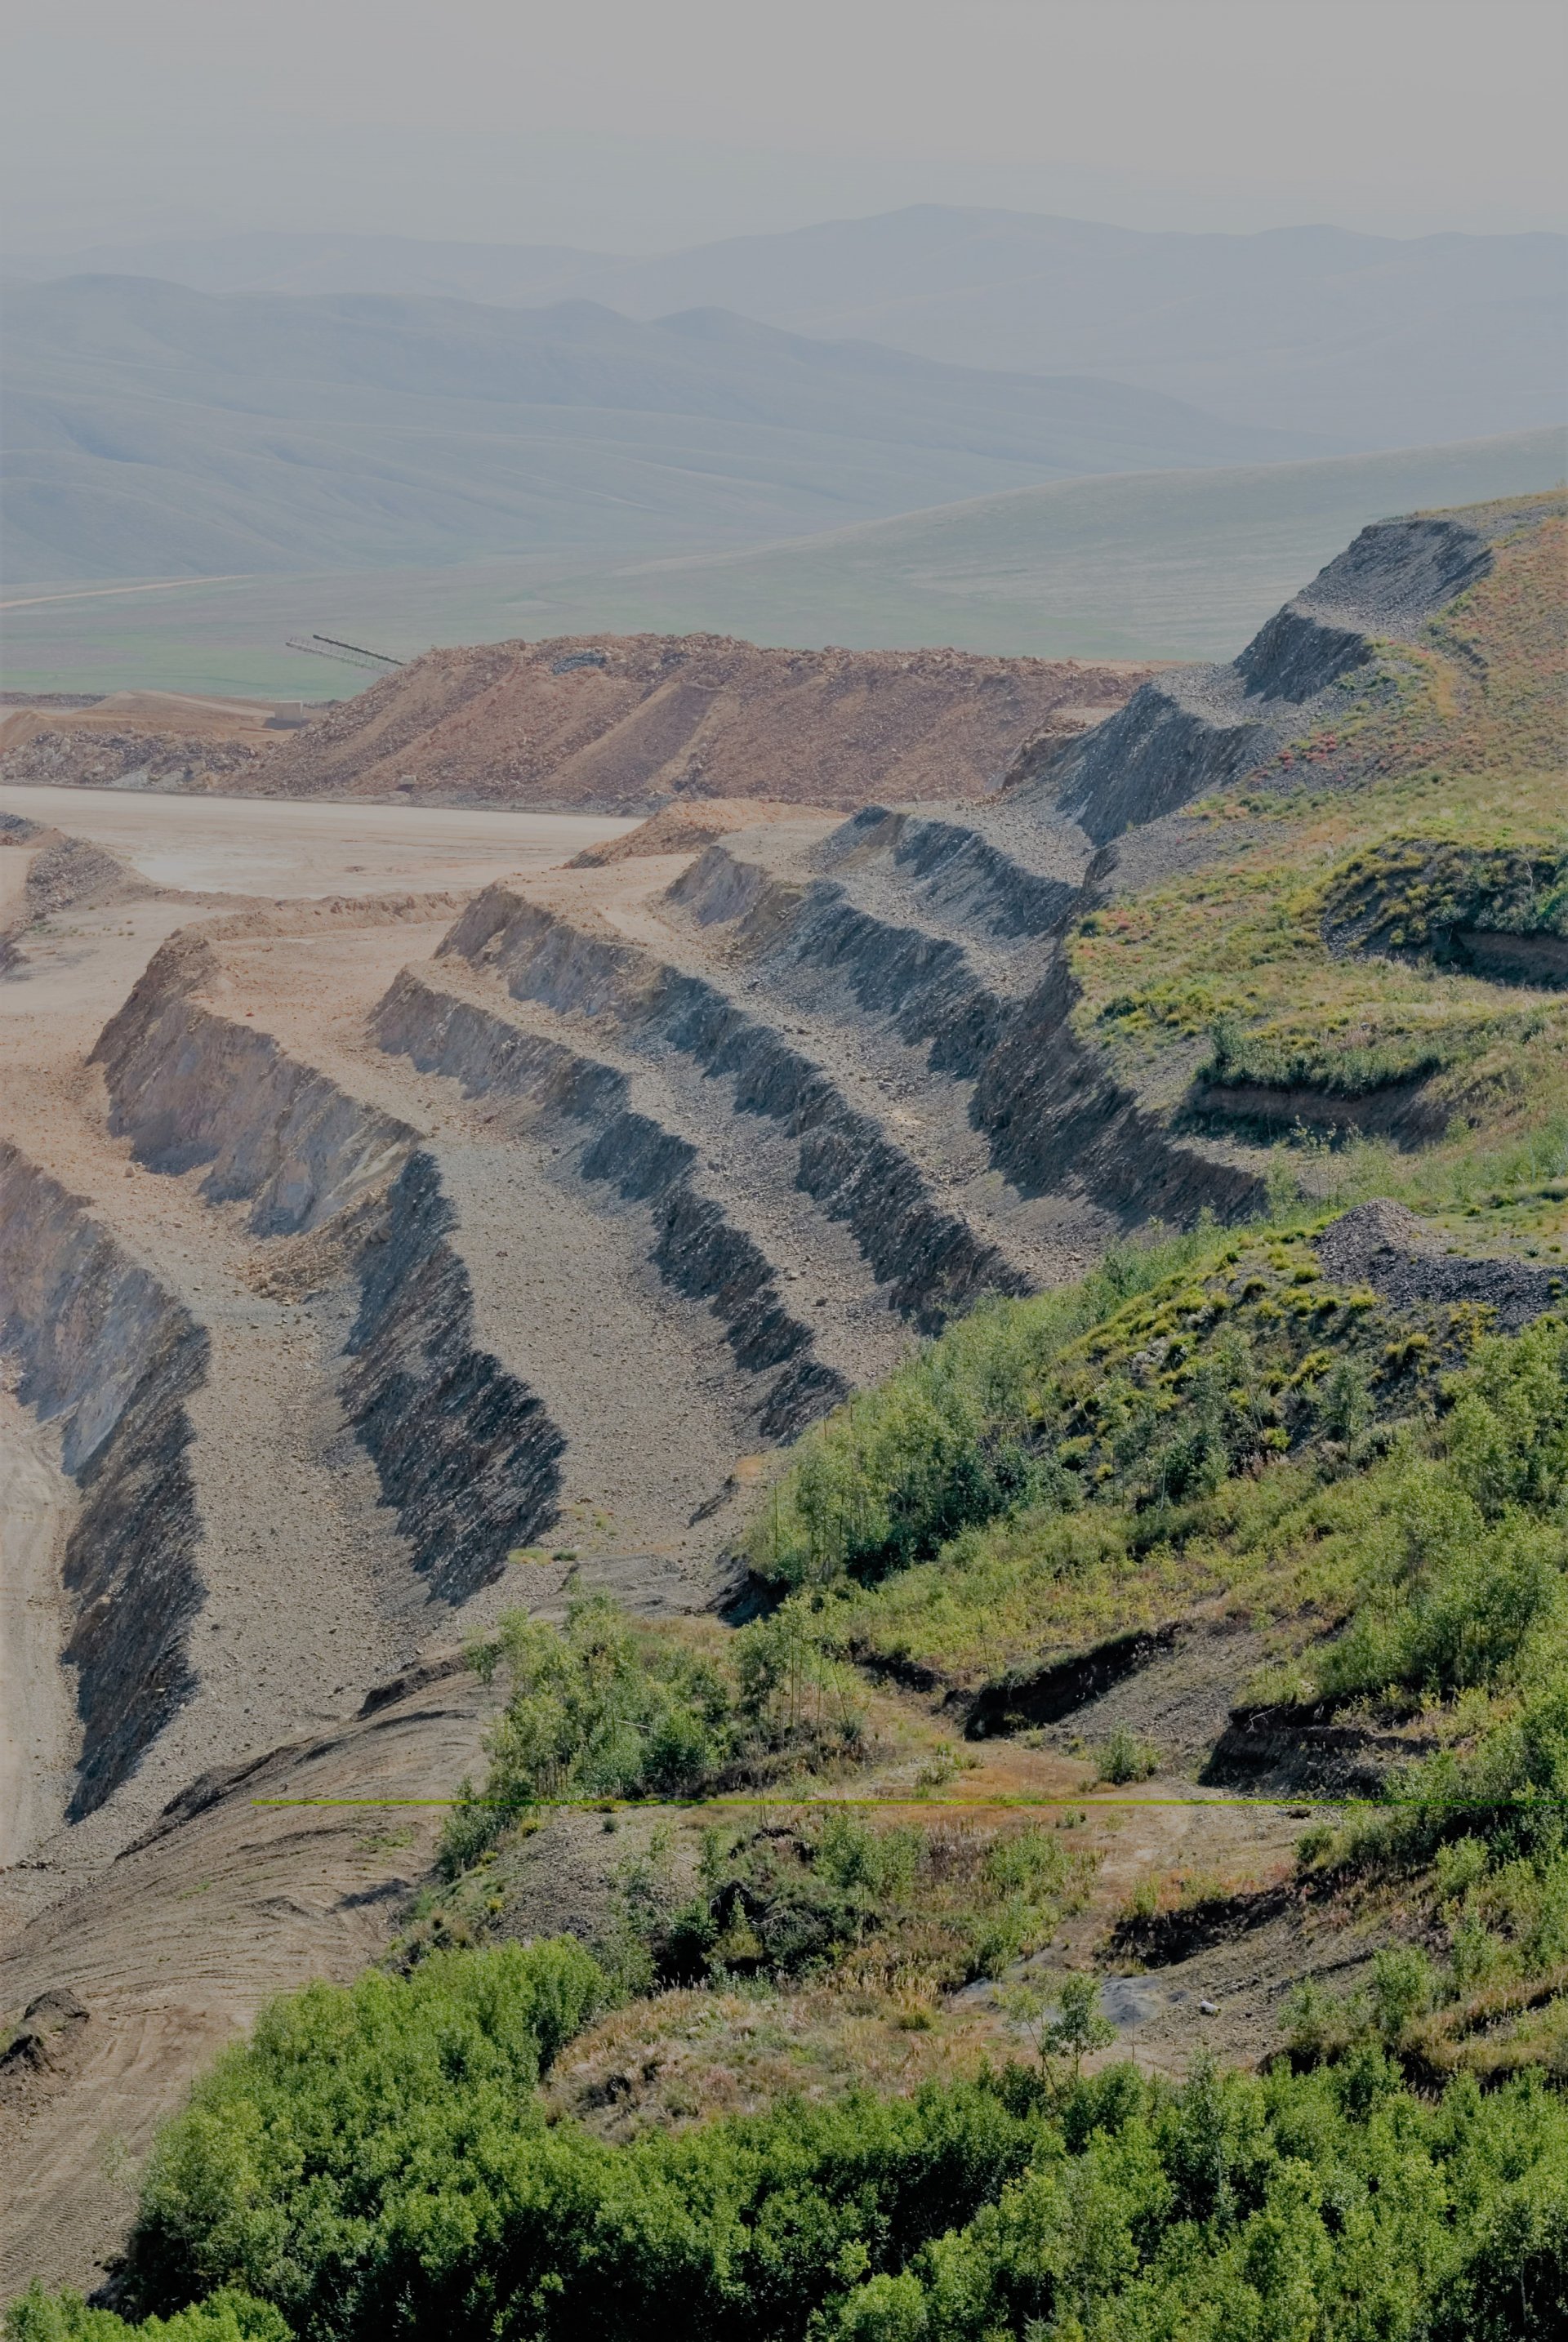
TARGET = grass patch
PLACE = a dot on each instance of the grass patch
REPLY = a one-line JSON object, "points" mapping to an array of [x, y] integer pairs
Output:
{"points": [[1318, 957]]}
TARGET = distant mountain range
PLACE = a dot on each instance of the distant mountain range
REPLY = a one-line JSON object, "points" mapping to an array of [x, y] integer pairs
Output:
{"points": [[157, 430], [1359, 341]]}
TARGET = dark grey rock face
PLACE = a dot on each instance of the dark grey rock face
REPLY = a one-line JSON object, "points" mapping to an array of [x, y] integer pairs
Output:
{"points": [[1200, 729], [463, 1450], [1386, 1246], [105, 1351]]}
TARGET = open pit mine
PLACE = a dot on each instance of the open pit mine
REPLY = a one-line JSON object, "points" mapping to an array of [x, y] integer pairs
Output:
{"points": [[391, 1237]]}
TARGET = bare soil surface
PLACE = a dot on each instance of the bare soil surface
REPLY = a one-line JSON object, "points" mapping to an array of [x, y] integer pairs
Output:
{"points": [[35, 1722], [624, 723], [226, 845], [684, 826], [232, 1898]]}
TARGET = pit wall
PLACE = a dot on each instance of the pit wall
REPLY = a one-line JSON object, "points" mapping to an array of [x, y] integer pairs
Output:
{"points": [[463, 1450], [933, 1263], [697, 1249], [1048, 1107], [961, 872], [1204, 728], [104, 1350], [189, 1086]]}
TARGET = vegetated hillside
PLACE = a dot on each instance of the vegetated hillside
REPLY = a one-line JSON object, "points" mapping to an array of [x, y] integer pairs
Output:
{"points": [[623, 724], [155, 431], [1384, 341], [1165, 1665]]}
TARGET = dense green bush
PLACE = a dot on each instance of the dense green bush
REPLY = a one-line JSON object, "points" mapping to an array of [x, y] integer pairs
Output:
{"points": [[1325, 2204], [948, 1441], [224, 2316], [354, 2117], [788, 1899], [1466, 1553], [606, 1707]]}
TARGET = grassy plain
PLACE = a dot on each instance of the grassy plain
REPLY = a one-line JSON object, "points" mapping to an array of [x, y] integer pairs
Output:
{"points": [[1169, 564]]}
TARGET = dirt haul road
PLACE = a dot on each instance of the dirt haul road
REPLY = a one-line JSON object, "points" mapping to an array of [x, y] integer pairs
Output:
{"points": [[243, 845]]}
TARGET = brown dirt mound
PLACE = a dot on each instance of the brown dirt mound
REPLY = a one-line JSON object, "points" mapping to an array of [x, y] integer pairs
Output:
{"points": [[159, 739], [73, 874], [685, 828], [81, 756], [624, 723]]}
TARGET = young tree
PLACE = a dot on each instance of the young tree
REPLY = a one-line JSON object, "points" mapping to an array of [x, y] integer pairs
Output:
{"points": [[1071, 2026]]}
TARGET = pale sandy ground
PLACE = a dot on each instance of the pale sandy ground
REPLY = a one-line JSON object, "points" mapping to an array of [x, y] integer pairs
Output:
{"points": [[265, 845], [73, 976], [36, 1506]]}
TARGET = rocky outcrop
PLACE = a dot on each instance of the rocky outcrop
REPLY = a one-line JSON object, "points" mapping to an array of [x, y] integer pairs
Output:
{"points": [[1386, 1246], [1057, 1116], [103, 1350], [1498, 911], [94, 758], [1202, 728], [960, 869], [465, 1451]]}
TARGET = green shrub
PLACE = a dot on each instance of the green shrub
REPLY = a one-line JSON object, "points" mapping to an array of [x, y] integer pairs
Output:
{"points": [[609, 1706], [315, 2145], [788, 1899], [949, 1441], [1328, 2204], [225, 2316], [1124, 1758], [1400, 1989], [1465, 1566]]}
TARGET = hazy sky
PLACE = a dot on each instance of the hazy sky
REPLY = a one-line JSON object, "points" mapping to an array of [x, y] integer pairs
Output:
{"points": [[627, 125]]}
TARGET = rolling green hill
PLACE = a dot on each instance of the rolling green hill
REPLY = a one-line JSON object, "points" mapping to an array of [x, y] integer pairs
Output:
{"points": [[1164, 565], [1146, 566]]}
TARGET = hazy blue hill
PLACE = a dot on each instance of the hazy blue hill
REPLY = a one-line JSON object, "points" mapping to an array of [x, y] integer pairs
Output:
{"points": [[1376, 341], [266, 262], [153, 430]]}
